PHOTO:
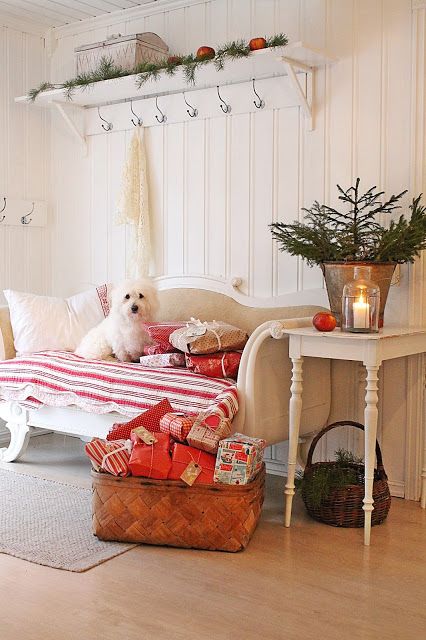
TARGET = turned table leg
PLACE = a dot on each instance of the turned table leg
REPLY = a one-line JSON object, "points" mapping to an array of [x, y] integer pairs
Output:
{"points": [[370, 419], [295, 411]]}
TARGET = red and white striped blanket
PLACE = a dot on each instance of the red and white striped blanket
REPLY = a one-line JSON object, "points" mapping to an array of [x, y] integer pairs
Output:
{"points": [[60, 379]]}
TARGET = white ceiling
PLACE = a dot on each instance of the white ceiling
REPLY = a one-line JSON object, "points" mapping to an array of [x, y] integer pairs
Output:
{"points": [[54, 13]]}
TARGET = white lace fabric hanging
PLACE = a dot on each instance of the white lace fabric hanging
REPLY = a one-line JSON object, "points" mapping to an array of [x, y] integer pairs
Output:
{"points": [[133, 205]]}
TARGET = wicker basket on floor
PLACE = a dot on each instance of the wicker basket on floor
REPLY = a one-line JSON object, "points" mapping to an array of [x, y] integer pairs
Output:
{"points": [[343, 505], [217, 517]]}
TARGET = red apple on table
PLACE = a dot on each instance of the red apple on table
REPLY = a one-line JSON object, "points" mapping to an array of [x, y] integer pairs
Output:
{"points": [[257, 43], [205, 53], [324, 321]]}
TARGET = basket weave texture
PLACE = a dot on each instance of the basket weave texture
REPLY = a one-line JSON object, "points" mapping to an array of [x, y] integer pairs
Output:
{"points": [[343, 505], [216, 517]]}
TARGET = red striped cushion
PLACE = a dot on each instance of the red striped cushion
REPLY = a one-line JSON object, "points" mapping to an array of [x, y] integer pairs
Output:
{"points": [[60, 379]]}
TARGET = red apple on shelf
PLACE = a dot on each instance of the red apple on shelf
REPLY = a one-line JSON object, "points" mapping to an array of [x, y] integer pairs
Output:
{"points": [[205, 53], [324, 321], [257, 43], [174, 59]]}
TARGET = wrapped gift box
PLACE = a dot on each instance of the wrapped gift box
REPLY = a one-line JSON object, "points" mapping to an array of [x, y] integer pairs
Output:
{"points": [[177, 424], [164, 360], [208, 431], [224, 364], [239, 458], [151, 461], [208, 337], [182, 456], [112, 457], [160, 332], [150, 419]]}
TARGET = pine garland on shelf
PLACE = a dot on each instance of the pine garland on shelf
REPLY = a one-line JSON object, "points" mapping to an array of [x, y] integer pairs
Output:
{"points": [[146, 71]]}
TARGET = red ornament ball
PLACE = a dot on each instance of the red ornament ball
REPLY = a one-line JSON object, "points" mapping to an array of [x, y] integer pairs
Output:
{"points": [[257, 43], [205, 53], [324, 321]]}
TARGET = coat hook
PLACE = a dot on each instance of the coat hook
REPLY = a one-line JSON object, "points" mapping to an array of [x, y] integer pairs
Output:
{"points": [[139, 121], [108, 125], [4, 207], [192, 111], [226, 108], [162, 118], [259, 104], [24, 218]]}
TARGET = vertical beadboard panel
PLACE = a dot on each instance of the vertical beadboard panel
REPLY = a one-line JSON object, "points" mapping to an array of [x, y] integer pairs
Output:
{"points": [[154, 144], [216, 197], [174, 199], [195, 171], [261, 180], [286, 186], [239, 199], [116, 243]]}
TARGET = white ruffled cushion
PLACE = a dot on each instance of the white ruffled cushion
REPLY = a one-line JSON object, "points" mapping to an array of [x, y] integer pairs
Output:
{"points": [[41, 323]]}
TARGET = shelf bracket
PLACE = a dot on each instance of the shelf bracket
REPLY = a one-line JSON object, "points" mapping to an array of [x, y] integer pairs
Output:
{"points": [[71, 124], [302, 96]]}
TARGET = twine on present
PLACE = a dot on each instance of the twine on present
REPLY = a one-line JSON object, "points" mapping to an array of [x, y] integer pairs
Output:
{"points": [[126, 447]]}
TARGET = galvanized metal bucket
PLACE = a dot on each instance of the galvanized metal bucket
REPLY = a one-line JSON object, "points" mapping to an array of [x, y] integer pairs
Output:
{"points": [[337, 274]]}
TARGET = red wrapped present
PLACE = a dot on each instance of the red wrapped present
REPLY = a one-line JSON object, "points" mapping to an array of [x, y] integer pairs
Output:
{"points": [[208, 431], [112, 457], [215, 365], [163, 360], [177, 424], [150, 419], [152, 461], [183, 456], [159, 333]]}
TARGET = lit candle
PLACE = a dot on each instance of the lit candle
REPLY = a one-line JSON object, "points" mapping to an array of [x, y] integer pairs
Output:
{"points": [[361, 310]]}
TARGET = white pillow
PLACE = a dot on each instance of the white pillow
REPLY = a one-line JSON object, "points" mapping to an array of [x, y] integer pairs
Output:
{"points": [[42, 323]]}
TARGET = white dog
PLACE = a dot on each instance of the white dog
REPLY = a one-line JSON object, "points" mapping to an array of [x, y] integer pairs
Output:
{"points": [[121, 333]]}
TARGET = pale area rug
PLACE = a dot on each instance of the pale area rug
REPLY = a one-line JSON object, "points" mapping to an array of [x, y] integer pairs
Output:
{"points": [[50, 523]]}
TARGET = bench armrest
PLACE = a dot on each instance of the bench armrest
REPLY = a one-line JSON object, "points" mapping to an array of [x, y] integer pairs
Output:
{"points": [[7, 348]]}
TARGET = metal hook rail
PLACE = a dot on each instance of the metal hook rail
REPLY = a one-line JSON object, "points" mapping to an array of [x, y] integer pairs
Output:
{"points": [[108, 125], [139, 121], [259, 103], [226, 108], [192, 111], [4, 207], [163, 117], [24, 218]]}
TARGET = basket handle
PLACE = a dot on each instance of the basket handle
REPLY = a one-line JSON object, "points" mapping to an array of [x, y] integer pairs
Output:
{"points": [[341, 423]]}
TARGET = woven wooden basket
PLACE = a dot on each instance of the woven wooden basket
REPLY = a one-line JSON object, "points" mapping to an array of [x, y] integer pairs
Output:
{"points": [[217, 517], [343, 505]]}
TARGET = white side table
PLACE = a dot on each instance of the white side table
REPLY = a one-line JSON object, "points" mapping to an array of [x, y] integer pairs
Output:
{"points": [[370, 349]]}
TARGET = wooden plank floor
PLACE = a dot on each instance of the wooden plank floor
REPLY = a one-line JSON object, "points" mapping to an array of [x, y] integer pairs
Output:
{"points": [[311, 581]]}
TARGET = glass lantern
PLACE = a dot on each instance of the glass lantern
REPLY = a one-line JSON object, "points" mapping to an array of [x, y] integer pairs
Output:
{"points": [[360, 303]]}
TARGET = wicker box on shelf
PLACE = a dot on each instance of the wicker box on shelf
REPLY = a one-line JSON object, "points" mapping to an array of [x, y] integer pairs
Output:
{"points": [[168, 512]]}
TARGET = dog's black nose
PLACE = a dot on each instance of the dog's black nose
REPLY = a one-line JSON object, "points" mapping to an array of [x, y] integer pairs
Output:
{"points": [[134, 308]]}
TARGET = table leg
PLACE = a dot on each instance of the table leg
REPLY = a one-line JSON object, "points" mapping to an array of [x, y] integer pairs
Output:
{"points": [[370, 419], [295, 411]]}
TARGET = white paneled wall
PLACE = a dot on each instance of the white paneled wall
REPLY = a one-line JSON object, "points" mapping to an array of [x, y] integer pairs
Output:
{"points": [[24, 251], [216, 182]]}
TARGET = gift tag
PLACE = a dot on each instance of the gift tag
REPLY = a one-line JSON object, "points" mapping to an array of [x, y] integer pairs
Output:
{"points": [[146, 436], [191, 473]]}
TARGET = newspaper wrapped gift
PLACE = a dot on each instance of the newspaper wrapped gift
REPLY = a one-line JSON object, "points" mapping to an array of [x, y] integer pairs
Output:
{"points": [[112, 457], [152, 461], [150, 419], [239, 458], [163, 360], [183, 456], [177, 424], [215, 365], [208, 337], [207, 431]]}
